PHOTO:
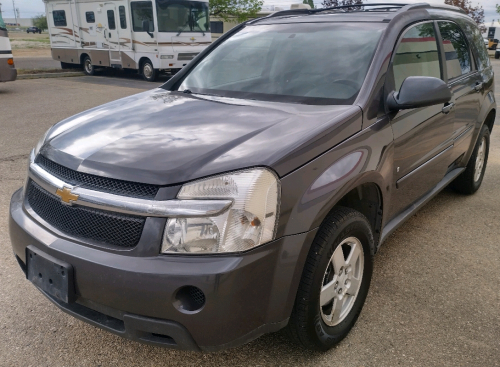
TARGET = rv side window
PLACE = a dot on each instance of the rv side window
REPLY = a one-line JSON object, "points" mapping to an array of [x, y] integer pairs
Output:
{"points": [[90, 17], [111, 19], [217, 27], [142, 10], [59, 18], [123, 17]]}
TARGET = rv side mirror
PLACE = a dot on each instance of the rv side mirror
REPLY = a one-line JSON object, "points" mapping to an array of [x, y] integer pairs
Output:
{"points": [[145, 27], [419, 91]]}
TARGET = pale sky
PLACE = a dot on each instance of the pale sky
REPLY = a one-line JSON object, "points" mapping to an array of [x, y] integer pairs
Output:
{"points": [[30, 8]]}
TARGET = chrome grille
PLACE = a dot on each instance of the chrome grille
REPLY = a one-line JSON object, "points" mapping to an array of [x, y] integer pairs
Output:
{"points": [[85, 223], [104, 184]]}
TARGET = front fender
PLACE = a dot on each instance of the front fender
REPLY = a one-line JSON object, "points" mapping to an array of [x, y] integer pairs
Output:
{"points": [[310, 192]]}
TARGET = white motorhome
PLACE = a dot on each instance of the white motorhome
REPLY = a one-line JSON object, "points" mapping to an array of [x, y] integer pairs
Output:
{"points": [[148, 36], [8, 71]]}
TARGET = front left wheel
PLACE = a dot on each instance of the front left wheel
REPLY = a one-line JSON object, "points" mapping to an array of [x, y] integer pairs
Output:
{"points": [[88, 68], [335, 281], [149, 73]]}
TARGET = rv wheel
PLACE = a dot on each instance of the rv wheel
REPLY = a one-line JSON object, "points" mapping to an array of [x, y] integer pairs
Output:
{"points": [[88, 68], [149, 73]]}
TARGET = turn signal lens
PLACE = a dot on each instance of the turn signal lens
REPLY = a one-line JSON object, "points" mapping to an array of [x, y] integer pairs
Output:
{"points": [[10, 61]]}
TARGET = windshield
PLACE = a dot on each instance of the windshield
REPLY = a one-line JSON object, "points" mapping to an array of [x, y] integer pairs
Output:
{"points": [[2, 23], [182, 16], [318, 63]]}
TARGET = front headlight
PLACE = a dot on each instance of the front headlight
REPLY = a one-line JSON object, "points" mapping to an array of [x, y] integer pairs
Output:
{"points": [[250, 221]]}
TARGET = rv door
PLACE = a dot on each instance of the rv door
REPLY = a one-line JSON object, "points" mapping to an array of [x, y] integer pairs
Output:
{"points": [[112, 35]]}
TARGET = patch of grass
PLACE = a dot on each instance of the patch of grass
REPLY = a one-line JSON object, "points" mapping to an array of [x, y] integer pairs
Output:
{"points": [[44, 71], [42, 40]]}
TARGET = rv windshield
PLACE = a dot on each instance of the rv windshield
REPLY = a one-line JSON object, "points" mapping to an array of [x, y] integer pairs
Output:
{"points": [[2, 23], [182, 16], [309, 63]]}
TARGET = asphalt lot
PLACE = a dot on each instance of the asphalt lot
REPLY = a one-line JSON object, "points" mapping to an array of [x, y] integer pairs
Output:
{"points": [[434, 298]]}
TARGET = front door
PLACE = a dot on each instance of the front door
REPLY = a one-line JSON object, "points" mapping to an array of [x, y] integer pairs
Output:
{"points": [[112, 35], [423, 137]]}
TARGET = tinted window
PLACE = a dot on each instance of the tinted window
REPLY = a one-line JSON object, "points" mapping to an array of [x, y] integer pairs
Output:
{"points": [[123, 17], [476, 42], [417, 54], [216, 27], [90, 16], [285, 62], [457, 52], [142, 10], [59, 18], [111, 19]]}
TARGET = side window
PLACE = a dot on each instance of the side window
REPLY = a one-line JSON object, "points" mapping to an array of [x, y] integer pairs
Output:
{"points": [[217, 27], [458, 61], [142, 10], [123, 17], [111, 19], [90, 16], [59, 18], [417, 54]]}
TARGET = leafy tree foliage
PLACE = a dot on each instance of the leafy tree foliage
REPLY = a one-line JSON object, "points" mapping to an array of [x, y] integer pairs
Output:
{"points": [[40, 21], [475, 12], [242, 10], [309, 2], [331, 3]]}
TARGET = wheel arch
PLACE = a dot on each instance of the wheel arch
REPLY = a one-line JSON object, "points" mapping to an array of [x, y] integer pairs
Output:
{"points": [[83, 56], [142, 60], [490, 119]]}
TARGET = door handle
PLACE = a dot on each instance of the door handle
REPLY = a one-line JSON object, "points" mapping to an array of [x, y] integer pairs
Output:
{"points": [[478, 87], [447, 108]]}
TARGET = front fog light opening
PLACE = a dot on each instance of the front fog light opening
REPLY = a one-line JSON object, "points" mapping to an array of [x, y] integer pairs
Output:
{"points": [[189, 299], [250, 221]]}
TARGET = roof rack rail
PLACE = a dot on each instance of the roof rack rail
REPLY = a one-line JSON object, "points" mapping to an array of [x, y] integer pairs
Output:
{"points": [[381, 6]]}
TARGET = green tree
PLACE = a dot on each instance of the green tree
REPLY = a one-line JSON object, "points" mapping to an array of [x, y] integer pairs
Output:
{"points": [[40, 21], [309, 2], [475, 12], [242, 10], [332, 3]]}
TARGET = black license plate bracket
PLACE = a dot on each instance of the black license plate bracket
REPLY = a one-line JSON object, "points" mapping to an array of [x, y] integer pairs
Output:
{"points": [[51, 275]]}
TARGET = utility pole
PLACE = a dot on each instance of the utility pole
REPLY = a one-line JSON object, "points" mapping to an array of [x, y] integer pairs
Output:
{"points": [[14, 8]]}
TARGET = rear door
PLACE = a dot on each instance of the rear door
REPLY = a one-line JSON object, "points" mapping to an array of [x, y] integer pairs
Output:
{"points": [[464, 81], [112, 35], [422, 136]]}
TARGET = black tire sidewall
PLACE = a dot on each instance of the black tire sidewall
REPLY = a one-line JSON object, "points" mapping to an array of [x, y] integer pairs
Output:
{"points": [[85, 69], [485, 133], [326, 335]]}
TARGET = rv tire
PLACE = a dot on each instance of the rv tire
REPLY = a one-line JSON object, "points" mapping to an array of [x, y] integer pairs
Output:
{"points": [[149, 73], [88, 68]]}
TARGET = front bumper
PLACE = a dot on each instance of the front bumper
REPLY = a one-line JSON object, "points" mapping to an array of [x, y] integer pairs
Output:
{"points": [[8, 73], [246, 294]]}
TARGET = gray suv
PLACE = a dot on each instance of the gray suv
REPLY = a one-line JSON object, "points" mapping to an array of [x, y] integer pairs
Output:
{"points": [[251, 192]]}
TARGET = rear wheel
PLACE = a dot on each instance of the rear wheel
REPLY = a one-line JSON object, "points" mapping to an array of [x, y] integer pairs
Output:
{"points": [[334, 282], [88, 68], [470, 180], [149, 73]]}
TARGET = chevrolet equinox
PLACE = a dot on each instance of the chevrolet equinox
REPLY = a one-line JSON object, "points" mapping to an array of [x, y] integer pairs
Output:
{"points": [[251, 191]]}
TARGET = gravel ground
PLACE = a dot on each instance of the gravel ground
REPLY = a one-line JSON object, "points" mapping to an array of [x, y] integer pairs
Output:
{"points": [[434, 298]]}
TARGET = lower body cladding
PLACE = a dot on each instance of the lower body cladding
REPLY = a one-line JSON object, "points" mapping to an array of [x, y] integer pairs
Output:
{"points": [[8, 73], [186, 302]]}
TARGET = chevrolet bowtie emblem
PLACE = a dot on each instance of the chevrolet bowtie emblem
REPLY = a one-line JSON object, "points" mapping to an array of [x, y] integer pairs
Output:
{"points": [[193, 39], [66, 195]]}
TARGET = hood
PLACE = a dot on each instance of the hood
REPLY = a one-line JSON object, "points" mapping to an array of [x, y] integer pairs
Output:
{"points": [[163, 138]]}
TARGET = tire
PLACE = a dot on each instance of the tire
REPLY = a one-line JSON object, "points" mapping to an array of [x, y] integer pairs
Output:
{"points": [[149, 73], [88, 68], [470, 180], [497, 55], [319, 327]]}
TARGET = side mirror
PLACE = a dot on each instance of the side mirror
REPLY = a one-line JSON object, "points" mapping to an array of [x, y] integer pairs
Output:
{"points": [[145, 27], [419, 91]]}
